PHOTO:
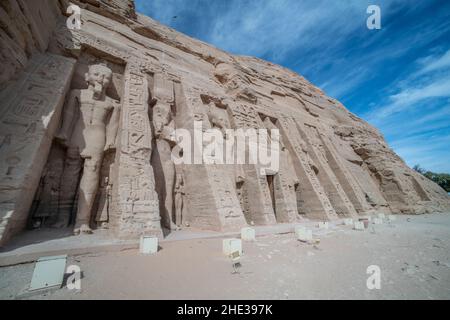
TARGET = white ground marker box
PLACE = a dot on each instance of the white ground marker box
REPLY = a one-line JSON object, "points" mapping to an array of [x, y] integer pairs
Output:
{"points": [[377, 221], [231, 245], [324, 225], [248, 234], [48, 272], [148, 245], [348, 222], [392, 217], [381, 216], [303, 234], [359, 225]]}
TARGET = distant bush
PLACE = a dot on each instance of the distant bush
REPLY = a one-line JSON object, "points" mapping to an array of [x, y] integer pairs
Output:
{"points": [[442, 179]]}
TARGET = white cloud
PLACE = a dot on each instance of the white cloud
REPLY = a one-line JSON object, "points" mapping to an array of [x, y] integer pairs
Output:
{"points": [[433, 63], [430, 152], [328, 42], [439, 88], [428, 82], [274, 28], [415, 119]]}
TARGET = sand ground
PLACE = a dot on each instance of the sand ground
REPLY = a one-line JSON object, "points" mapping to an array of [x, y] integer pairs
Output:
{"points": [[413, 254]]}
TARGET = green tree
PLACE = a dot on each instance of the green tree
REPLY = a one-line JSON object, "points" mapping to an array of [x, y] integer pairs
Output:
{"points": [[442, 179], [419, 169]]}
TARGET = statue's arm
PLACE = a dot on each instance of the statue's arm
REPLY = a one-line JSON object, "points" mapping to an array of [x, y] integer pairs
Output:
{"points": [[70, 113], [113, 127]]}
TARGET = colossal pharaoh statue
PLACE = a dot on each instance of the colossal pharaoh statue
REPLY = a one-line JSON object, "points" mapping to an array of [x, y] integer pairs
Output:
{"points": [[331, 163], [86, 134]]}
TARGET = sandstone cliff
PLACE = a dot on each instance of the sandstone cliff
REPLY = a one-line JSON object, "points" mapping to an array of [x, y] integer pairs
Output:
{"points": [[332, 164]]}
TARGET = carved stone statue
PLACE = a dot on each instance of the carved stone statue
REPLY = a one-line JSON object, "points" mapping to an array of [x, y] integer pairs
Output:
{"points": [[217, 118], [179, 200], [45, 207], [85, 132], [164, 127], [104, 204]]}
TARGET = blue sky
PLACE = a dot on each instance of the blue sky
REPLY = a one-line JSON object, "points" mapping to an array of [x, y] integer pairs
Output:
{"points": [[397, 78]]}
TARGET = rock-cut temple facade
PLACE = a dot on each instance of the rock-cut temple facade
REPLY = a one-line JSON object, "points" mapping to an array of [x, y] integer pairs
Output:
{"points": [[86, 120]]}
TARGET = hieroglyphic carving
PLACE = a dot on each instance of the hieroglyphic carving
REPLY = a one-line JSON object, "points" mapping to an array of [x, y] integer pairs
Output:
{"points": [[326, 176], [246, 87], [284, 182], [345, 177], [261, 210], [312, 191], [29, 115], [135, 204]]}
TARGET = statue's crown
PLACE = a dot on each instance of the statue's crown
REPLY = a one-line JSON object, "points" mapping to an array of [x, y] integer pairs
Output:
{"points": [[101, 65]]}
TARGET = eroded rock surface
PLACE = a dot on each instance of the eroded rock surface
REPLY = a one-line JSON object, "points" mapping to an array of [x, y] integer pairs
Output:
{"points": [[86, 132]]}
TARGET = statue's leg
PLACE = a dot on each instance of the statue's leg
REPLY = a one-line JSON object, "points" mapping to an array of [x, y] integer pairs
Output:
{"points": [[178, 209], [68, 188], [88, 190], [169, 180], [169, 173], [183, 210]]}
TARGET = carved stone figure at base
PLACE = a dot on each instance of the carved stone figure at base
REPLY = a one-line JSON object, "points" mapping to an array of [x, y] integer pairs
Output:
{"points": [[179, 200], [102, 218], [85, 131]]}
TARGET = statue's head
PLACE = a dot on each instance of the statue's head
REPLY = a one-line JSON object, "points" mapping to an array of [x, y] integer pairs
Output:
{"points": [[99, 77], [161, 117], [218, 118]]}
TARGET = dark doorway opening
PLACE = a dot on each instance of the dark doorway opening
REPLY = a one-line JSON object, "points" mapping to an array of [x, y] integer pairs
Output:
{"points": [[270, 183]]}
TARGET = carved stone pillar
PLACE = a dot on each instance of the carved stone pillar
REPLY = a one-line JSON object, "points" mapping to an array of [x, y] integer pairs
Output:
{"points": [[135, 201], [327, 177], [316, 201], [260, 208]]}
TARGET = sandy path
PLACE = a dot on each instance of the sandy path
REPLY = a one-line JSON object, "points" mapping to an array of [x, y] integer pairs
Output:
{"points": [[413, 254]]}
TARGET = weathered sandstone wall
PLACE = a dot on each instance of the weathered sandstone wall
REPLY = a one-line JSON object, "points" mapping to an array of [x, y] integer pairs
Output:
{"points": [[86, 117]]}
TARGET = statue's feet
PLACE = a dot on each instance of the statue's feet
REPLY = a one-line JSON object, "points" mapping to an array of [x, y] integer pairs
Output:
{"points": [[173, 226], [83, 229]]}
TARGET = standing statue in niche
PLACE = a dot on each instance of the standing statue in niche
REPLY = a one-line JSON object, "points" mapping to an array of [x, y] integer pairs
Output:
{"points": [[164, 127], [179, 200], [89, 128]]}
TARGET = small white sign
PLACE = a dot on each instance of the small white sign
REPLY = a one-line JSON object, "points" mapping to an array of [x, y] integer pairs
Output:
{"points": [[248, 234], [230, 246], [323, 225], [148, 245], [48, 272], [381, 216], [303, 234], [348, 222], [359, 225], [377, 221], [392, 218]]}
